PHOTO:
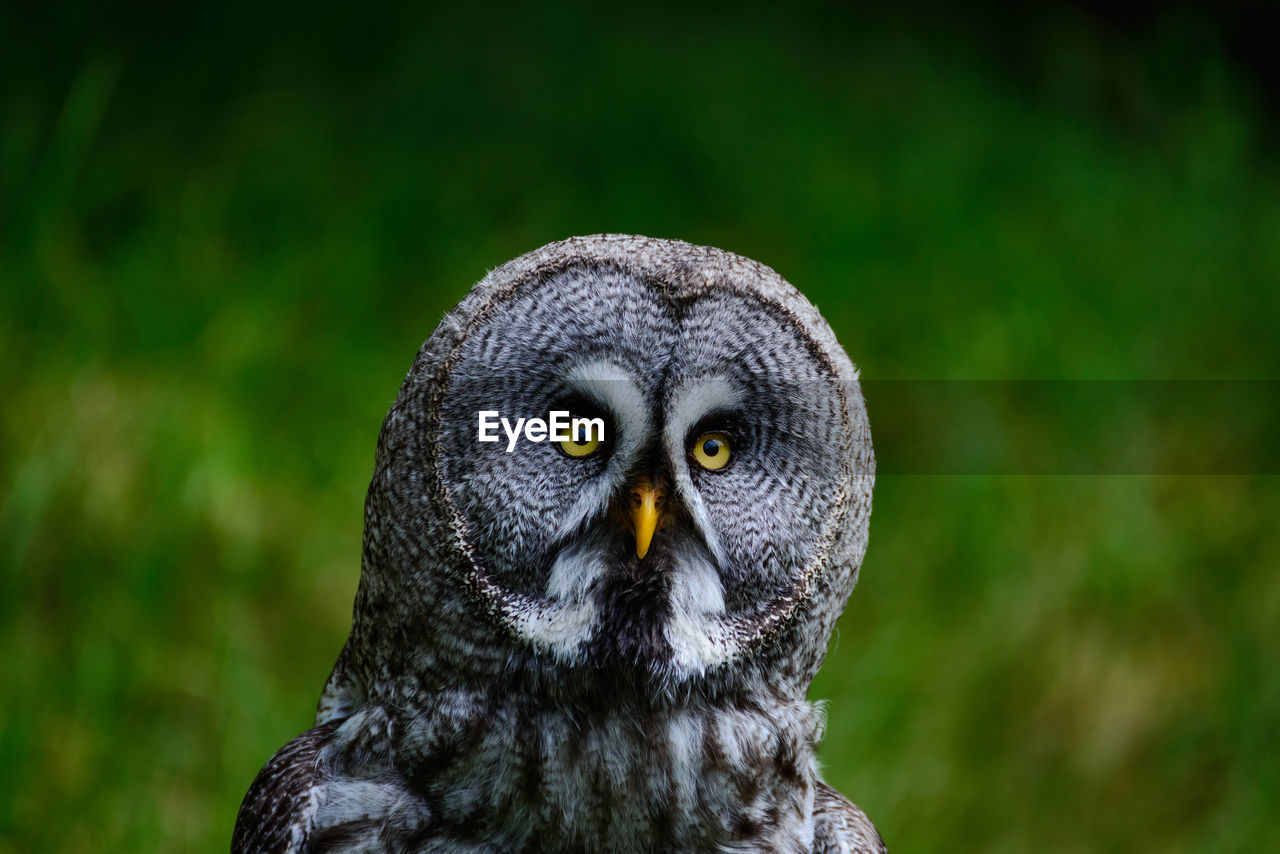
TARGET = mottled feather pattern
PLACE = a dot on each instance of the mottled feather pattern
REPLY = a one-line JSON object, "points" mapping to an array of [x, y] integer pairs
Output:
{"points": [[277, 812], [842, 828], [486, 769], [516, 678]]}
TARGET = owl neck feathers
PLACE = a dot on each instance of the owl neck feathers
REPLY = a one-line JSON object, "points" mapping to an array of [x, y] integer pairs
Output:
{"points": [[525, 770]]}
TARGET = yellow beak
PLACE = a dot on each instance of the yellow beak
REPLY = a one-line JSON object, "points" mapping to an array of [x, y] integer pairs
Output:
{"points": [[646, 503]]}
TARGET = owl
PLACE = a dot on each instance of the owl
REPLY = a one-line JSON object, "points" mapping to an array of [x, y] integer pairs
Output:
{"points": [[617, 507]]}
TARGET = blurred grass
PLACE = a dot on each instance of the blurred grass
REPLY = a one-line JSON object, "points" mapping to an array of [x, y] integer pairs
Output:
{"points": [[223, 237]]}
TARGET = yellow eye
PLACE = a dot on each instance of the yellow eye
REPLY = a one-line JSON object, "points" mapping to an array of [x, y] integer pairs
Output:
{"points": [[583, 441], [711, 450]]}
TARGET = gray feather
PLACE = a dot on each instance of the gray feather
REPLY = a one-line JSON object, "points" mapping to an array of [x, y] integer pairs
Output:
{"points": [[516, 678]]}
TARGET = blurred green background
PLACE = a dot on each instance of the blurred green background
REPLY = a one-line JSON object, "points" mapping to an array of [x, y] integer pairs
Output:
{"points": [[224, 233]]}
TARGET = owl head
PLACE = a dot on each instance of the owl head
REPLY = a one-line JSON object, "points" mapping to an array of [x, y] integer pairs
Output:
{"points": [[620, 463]]}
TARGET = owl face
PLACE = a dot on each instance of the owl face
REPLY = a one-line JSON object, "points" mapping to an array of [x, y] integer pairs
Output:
{"points": [[689, 532]]}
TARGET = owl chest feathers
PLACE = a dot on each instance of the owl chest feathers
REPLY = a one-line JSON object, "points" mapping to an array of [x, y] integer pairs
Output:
{"points": [[472, 774]]}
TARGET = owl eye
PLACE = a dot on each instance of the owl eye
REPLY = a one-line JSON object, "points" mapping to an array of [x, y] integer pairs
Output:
{"points": [[581, 442], [711, 450]]}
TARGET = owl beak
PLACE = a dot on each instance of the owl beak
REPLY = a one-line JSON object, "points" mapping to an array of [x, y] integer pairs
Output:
{"points": [[647, 502]]}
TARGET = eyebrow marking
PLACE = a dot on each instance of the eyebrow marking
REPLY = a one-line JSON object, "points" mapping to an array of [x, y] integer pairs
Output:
{"points": [[690, 404], [614, 389]]}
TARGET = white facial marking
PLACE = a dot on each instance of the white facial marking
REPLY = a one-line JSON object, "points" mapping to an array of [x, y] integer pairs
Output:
{"points": [[562, 621], [558, 629], [696, 399], [689, 405], [697, 631], [614, 388], [611, 388]]}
